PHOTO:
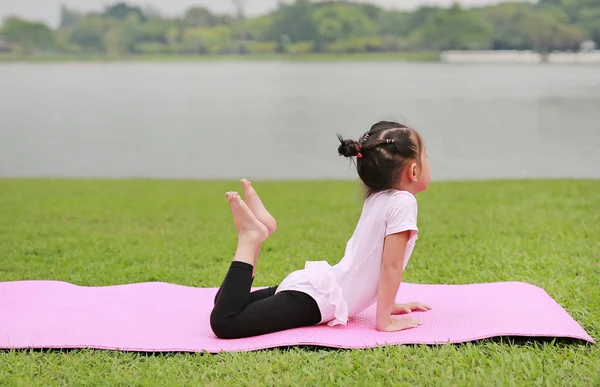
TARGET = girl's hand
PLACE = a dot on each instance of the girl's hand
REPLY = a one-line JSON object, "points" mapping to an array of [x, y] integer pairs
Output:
{"points": [[399, 324], [410, 307]]}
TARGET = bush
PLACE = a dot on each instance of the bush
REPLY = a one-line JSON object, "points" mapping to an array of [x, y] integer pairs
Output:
{"points": [[261, 47], [152, 48], [301, 48], [362, 44]]}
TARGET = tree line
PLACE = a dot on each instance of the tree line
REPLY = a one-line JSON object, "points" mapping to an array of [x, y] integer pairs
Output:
{"points": [[306, 27]]}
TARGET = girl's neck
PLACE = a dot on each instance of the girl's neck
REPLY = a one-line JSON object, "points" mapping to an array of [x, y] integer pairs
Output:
{"points": [[406, 186]]}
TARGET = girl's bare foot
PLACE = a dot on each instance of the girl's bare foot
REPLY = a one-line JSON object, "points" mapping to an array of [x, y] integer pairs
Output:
{"points": [[250, 229], [257, 207]]}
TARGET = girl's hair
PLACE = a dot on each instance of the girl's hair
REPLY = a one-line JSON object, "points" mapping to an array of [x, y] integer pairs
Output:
{"points": [[383, 152]]}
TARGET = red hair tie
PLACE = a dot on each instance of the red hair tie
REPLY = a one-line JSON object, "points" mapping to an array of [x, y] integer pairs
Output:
{"points": [[358, 154]]}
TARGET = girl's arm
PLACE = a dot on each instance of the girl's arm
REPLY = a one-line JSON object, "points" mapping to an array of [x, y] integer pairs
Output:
{"points": [[392, 266]]}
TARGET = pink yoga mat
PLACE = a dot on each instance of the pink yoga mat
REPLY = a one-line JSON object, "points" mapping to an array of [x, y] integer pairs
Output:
{"points": [[158, 317]]}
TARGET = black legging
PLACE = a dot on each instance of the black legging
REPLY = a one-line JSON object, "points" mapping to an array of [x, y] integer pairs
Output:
{"points": [[239, 313]]}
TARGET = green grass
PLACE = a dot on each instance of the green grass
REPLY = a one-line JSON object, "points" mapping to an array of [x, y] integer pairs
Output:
{"points": [[96, 233], [426, 56]]}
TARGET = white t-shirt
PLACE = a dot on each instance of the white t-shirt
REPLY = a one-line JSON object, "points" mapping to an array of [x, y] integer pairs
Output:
{"points": [[350, 287]]}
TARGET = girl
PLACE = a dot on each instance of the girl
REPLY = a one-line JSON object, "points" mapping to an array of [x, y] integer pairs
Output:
{"points": [[392, 165]]}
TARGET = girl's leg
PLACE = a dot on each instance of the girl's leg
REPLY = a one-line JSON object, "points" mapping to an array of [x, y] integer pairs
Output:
{"points": [[251, 232], [257, 207], [234, 316], [237, 313], [234, 294], [235, 290], [262, 293], [255, 295]]}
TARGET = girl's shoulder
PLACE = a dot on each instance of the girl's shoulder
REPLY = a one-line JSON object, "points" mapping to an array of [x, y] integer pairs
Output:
{"points": [[394, 195], [405, 194], [392, 199]]}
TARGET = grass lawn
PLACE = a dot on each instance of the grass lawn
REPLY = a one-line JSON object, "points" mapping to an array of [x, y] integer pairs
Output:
{"points": [[417, 56], [92, 232]]}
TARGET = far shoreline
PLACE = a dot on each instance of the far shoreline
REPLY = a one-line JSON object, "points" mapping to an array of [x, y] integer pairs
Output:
{"points": [[431, 56], [446, 57]]}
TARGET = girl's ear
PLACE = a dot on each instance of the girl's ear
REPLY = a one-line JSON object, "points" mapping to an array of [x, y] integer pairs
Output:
{"points": [[413, 172]]}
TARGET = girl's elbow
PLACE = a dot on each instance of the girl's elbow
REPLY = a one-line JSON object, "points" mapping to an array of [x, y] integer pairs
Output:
{"points": [[392, 268]]}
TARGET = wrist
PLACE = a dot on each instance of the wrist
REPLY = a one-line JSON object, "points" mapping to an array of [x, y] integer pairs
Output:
{"points": [[383, 324]]}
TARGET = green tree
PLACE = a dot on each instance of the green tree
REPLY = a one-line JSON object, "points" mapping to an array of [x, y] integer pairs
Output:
{"points": [[206, 40], [589, 19], [294, 20], [421, 17], [254, 29], [546, 33], [122, 11], [395, 23], [585, 14], [29, 35], [457, 28], [284, 44], [121, 36], [371, 11], [154, 31], [88, 33], [199, 17], [342, 21], [152, 13], [508, 21], [68, 17], [571, 8]]}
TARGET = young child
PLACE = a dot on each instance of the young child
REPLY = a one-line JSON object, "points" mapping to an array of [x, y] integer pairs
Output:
{"points": [[392, 164]]}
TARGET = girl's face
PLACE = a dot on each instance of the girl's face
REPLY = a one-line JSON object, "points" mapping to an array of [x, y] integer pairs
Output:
{"points": [[425, 176], [416, 176]]}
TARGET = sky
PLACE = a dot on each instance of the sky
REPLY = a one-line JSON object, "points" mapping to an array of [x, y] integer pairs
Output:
{"points": [[48, 10]]}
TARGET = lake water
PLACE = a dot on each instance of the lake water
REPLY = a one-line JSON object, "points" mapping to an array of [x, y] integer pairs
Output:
{"points": [[271, 120]]}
